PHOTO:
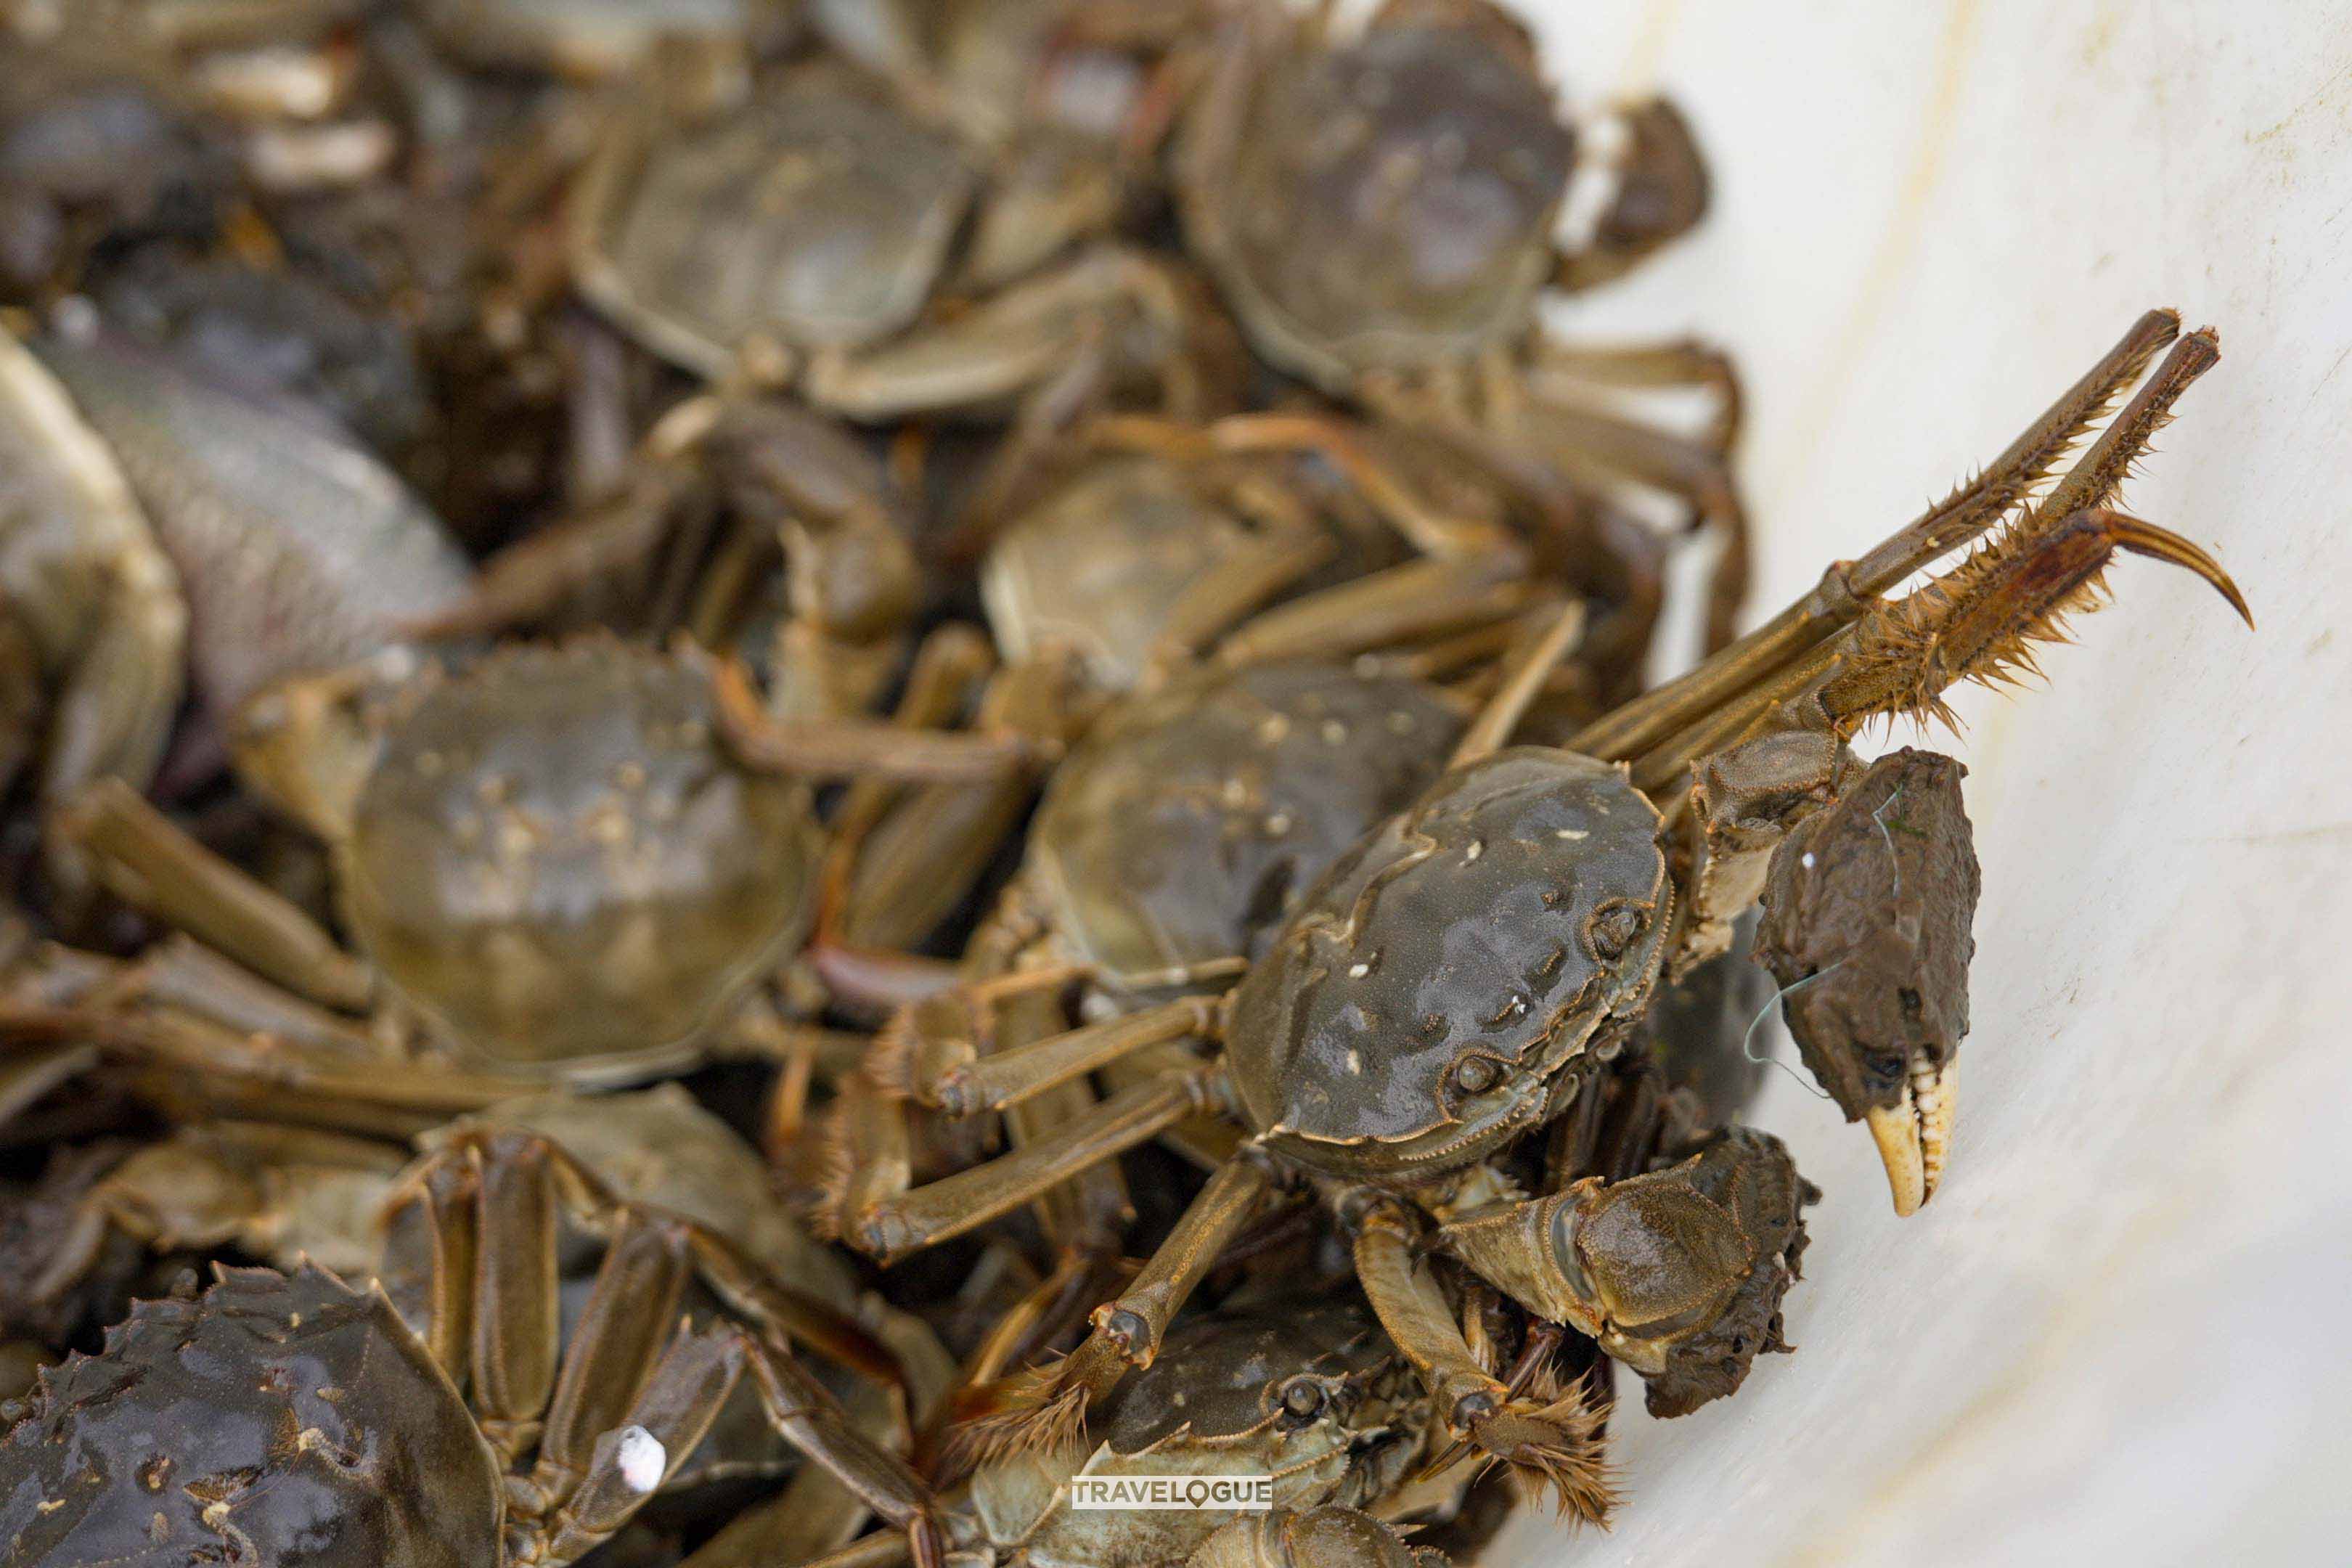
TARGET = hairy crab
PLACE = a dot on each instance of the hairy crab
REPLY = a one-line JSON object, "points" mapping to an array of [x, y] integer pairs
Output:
{"points": [[1380, 213], [556, 856], [845, 207], [1302, 1389], [1452, 980], [452, 1435], [1149, 555]]}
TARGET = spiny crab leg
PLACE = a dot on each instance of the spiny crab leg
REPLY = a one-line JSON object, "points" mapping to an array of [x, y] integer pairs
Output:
{"points": [[1976, 622], [1847, 589]]}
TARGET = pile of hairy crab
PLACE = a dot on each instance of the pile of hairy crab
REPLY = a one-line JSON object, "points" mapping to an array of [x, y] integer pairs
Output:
{"points": [[782, 779]]}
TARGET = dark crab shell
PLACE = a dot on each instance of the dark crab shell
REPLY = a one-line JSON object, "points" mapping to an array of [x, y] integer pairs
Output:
{"points": [[1505, 915], [819, 212], [287, 1422], [1187, 829], [555, 859], [1389, 204], [1212, 1404], [1222, 1376]]}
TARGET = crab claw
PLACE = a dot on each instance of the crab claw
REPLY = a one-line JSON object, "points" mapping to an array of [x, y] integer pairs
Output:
{"points": [[1913, 1132], [1867, 910]]}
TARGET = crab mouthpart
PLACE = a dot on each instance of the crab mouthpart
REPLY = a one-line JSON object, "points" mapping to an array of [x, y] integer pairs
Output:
{"points": [[1915, 1133]]}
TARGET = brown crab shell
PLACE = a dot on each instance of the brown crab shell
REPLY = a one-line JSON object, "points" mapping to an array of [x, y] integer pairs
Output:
{"points": [[1506, 915]]}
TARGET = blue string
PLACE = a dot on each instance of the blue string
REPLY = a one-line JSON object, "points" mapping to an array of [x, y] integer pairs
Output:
{"points": [[1746, 1041]]}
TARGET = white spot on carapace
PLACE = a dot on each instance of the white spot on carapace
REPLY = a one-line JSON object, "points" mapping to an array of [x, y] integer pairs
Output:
{"points": [[643, 1458]]}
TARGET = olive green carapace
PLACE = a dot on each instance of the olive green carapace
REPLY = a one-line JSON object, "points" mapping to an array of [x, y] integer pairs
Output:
{"points": [[556, 859], [1500, 922], [1188, 830], [1389, 202]]}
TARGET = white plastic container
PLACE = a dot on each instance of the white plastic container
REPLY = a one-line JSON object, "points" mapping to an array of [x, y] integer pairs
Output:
{"points": [[2120, 1330]]}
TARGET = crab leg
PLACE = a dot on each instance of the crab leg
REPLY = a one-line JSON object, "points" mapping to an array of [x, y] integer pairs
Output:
{"points": [[662, 1424], [192, 1065], [631, 1310], [146, 860], [1041, 1411], [852, 748], [1554, 1445], [1440, 594], [968, 1199], [813, 1423], [950, 662], [883, 1549], [1651, 366], [1978, 621], [947, 1070], [1847, 588], [920, 860], [1085, 1213], [183, 973], [517, 1321], [1523, 679]]}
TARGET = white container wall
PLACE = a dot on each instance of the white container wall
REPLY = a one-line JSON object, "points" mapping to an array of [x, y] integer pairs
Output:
{"points": [[2118, 1333]]}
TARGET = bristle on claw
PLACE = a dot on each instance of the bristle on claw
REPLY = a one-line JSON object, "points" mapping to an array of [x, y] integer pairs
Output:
{"points": [[890, 1063], [1030, 1412], [1981, 620], [828, 1164], [919, 1042], [1555, 1448]]}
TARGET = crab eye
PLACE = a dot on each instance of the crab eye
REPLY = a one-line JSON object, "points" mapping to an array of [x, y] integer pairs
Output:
{"points": [[1476, 1075], [1303, 1398], [1611, 929]]}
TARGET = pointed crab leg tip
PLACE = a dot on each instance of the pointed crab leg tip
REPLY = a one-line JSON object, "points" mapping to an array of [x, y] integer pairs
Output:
{"points": [[1896, 1129], [2146, 539]]}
